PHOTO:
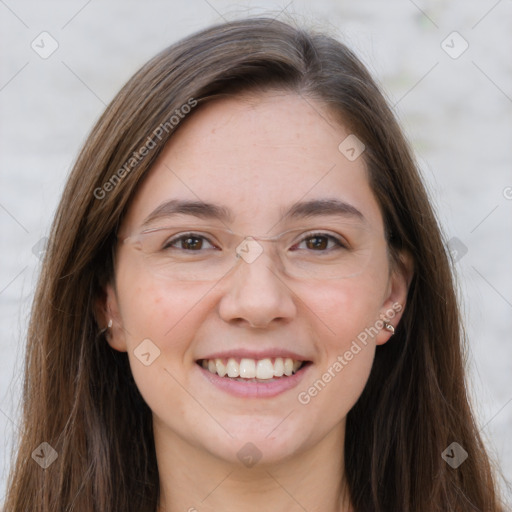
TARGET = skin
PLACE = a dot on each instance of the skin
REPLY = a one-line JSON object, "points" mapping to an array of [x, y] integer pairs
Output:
{"points": [[256, 155]]}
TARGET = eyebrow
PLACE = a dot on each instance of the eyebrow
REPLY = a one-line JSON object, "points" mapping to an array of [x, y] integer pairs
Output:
{"points": [[198, 209], [204, 210], [319, 207]]}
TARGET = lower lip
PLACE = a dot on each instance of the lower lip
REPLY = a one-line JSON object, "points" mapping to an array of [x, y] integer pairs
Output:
{"points": [[255, 389]]}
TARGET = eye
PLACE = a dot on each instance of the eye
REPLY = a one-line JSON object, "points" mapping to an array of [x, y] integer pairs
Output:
{"points": [[320, 242], [188, 242]]}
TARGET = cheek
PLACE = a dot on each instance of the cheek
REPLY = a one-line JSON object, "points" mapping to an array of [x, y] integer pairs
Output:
{"points": [[162, 319], [347, 308], [348, 315], [158, 319], [156, 309]]}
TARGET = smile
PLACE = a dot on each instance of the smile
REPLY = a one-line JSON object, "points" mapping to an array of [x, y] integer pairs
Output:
{"points": [[246, 377], [245, 369]]}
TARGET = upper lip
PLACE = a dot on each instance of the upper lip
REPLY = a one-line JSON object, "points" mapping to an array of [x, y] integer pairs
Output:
{"points": [[258, 355]]}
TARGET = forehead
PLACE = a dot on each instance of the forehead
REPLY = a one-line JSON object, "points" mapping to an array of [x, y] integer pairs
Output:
{"points": [[257, 156]]}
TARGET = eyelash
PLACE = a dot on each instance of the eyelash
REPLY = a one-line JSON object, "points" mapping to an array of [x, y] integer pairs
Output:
{"points": [[339, 243], [184, 236]]}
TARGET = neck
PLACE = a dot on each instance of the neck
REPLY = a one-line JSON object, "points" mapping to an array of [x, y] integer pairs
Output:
{"points": [[194, 480]]}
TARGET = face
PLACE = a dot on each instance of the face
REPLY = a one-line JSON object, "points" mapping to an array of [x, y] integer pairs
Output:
{"points": [[256, 158]]}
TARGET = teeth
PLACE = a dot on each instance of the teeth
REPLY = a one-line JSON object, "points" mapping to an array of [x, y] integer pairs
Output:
{"points": [[288, 366], [233, 368], [278, 367], [247, 368], [221, 369], [262, 369]]}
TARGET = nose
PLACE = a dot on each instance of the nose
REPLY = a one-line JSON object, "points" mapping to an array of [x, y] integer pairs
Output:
{"points": [[256, 295]]}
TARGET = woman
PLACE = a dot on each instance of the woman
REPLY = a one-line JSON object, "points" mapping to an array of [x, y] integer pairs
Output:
{"points": [[246, 302]]}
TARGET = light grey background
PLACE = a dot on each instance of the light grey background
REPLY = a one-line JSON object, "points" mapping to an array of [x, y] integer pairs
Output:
{"points": [[455, 111]]}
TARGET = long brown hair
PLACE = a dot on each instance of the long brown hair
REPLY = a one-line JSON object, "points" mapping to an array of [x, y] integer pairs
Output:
{"points": [[79, 394]]}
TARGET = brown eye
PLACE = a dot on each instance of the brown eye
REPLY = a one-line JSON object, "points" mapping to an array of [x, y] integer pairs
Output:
{"points": [[320, 242], [191, 243], [317, 243], [188, 242]]}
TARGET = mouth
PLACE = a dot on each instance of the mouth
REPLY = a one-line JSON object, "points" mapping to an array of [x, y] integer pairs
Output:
{"points": [[249, 374], [248, 370]]}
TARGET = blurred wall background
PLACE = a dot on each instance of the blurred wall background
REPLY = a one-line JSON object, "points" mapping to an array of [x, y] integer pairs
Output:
{"points": [[444, 65]]}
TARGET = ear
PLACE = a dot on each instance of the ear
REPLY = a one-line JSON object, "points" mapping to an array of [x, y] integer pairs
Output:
{"points": [[400, 277], [106, 310]]}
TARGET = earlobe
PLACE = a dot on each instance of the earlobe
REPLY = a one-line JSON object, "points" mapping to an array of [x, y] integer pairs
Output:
{"points": [[389, 321], [395, 301], [389, 327], [109, 319]]}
